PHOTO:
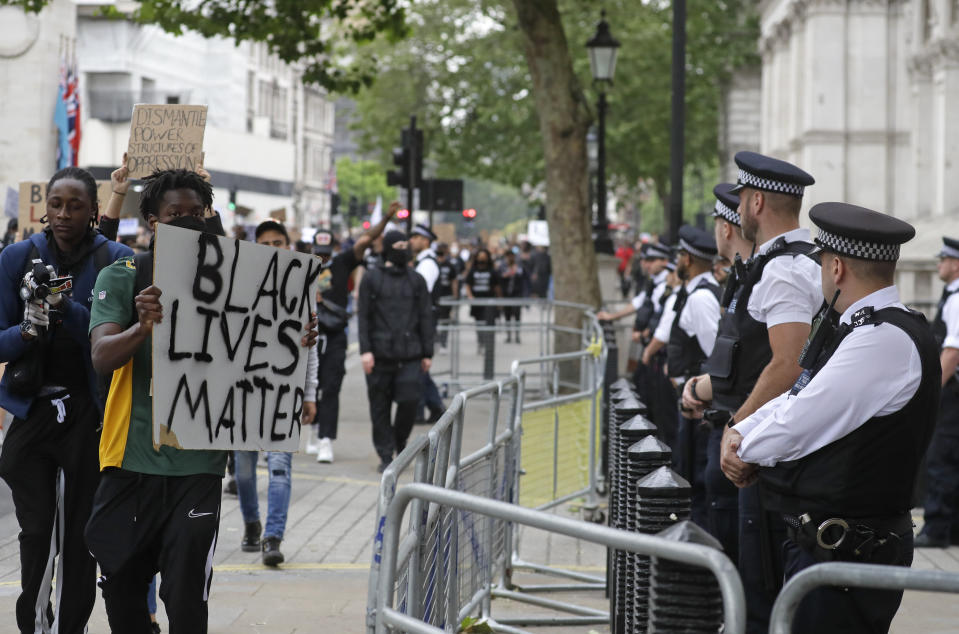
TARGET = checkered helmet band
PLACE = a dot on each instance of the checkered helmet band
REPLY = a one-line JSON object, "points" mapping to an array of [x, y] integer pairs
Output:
{"points": [[769, 185], [685, 246], [726, 213], [858, 248]]}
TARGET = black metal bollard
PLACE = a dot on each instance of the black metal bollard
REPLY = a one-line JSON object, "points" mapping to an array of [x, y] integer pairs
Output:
{"points": [[663, 499], [642, 458], [684, 598]]}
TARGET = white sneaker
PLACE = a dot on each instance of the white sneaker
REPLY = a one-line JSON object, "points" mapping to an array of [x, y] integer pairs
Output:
{"points": [[312, 444], [325, 453]]}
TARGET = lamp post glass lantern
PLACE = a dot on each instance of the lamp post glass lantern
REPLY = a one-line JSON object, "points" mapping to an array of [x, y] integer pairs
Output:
{"points": [[602, 49]]}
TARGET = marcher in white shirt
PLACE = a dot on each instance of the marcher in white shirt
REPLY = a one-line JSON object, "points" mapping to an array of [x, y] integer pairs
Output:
{"points": [[838, 454]]}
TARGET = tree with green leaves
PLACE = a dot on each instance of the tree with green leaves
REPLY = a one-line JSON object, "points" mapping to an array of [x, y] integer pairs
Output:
{"points": [[363, 180], [319, 35]]}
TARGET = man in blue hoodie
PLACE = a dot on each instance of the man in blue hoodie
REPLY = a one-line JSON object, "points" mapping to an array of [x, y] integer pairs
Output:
{"points": [[49, 456]]}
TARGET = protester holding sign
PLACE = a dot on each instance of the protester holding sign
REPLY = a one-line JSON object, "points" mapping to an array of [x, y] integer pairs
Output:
{"points": [[395, 322], [50, 386], [175, 532], [279, 463]]}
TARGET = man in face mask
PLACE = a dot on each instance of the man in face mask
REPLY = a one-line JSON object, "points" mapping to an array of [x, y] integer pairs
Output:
{"points": [[175, 533], [395, 323]]}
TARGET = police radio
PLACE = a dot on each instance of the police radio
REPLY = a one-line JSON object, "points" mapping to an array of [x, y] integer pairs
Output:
{"points": [[734, 281], [823, 329]]}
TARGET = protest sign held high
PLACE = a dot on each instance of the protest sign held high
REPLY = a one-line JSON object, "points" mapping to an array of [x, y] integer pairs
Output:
{"points": [[228, 368], [165, 136]]}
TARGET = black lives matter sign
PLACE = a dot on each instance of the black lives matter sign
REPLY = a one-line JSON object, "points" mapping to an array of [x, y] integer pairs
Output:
{"points": [[228, 368]]}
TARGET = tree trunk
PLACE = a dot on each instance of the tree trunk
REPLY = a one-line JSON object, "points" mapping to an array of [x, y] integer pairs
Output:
{"points": [[564, 119]]}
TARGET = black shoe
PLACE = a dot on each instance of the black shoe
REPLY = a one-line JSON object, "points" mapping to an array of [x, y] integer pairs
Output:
{"points": [[383, 465], [925, 540], [251, 537], [154, 627], [271, 552]]}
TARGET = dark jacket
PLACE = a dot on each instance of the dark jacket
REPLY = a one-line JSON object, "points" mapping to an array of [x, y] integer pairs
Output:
{"points": [[395, 315], [76, 311]]}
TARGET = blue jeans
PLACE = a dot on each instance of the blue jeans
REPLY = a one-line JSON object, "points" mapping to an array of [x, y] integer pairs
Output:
{"points": [[279, 464], [152, 596]]}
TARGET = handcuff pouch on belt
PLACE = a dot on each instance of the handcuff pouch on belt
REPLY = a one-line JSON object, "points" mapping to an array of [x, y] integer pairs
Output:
{"points": [[717, 418], [850, 540]]}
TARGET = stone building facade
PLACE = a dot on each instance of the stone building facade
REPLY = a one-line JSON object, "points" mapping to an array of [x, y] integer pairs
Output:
{"points": [[864, 95]]}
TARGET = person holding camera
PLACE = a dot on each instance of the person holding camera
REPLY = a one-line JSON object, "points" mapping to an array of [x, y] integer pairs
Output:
{"points": [[49, 456]]}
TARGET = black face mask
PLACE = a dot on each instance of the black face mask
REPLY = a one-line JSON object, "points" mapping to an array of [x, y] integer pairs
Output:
{"points": [[399, 257], [193, 223]]}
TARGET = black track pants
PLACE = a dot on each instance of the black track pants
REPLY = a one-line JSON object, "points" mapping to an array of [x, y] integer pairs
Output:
{"points": [[144, 524], [49, 460]]}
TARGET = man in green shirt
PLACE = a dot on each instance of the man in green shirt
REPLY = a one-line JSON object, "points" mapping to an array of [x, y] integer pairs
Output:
{"points": [[157, 508]]}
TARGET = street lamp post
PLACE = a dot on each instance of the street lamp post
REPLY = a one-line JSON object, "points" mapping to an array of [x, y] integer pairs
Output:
{"points": [[602, 63]]}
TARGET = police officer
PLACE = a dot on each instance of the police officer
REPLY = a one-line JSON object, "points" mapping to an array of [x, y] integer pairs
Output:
{"points": [[429, 269], [832, 453], [942, 470], [722, 497], [653, 259], [691, 339], [760, 337]]}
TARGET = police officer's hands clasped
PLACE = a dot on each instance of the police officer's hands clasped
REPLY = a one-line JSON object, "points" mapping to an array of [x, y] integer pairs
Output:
{"points": [[690, 402], [149, 309], [740, 473]]}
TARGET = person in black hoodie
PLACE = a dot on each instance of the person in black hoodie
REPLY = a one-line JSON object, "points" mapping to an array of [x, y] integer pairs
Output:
{"points": [[396, 343]]}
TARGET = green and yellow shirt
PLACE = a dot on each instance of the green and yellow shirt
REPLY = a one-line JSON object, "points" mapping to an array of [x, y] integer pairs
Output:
{"points": [[127, 438]]}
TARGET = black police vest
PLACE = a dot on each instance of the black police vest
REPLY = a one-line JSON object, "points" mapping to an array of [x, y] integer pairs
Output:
{"points": [[938, 325], [647, 309], [742, 348], [871, 471], [684, 354]]}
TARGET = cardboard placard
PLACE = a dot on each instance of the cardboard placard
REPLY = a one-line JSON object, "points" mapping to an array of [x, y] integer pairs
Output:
{"points": [[165, 136], [445, 232], [228, 368], [33, 205]]}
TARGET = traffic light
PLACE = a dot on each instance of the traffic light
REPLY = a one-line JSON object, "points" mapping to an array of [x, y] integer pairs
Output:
{"points": [[232, 204], [367, 224], [403, 214], [354, 207], [399, 177], [469, 214], [334, 203]]}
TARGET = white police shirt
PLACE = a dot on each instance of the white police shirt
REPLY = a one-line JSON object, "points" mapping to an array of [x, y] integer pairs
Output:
{"points": [[950, 316], [700, 317], [427, 267], [666, 319], [790, 290], [659, 286], [855, 385]]}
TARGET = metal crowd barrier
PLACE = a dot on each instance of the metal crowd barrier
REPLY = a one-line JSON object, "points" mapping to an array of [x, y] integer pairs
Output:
{"points": [[856, 575], [454, 372], [449, 561], [388, 614]]}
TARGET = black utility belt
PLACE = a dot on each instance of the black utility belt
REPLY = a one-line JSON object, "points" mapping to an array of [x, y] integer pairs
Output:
{"points": [[859, 539]]}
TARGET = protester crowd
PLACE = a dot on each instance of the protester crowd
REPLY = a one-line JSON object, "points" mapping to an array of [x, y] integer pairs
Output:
{"points": [[77, 310]]}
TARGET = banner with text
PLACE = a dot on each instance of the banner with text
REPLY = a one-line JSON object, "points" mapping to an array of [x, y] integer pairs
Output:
{"points": [[228, 368], [33, 205], [165, 136]]}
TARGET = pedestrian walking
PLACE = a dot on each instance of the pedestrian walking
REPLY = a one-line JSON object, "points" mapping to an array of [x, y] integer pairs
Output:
{"points": [[49, 456], [332, 343], [483, 282], [279, 463], [515, 280], [395, 324], [831, 453], [176, 535]]}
